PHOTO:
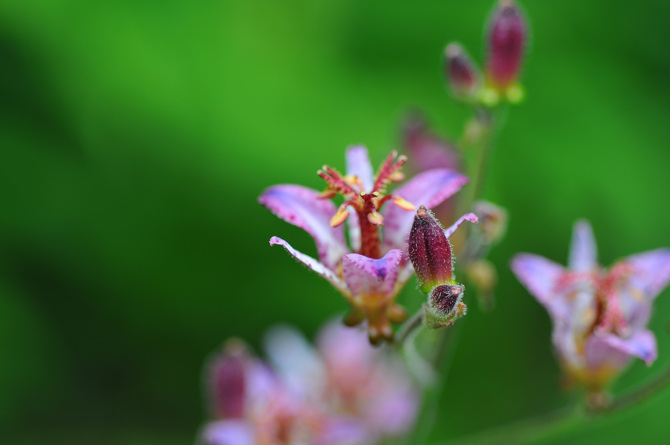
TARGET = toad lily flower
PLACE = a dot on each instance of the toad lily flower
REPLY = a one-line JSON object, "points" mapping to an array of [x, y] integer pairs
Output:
{"points": [[599, 316], [371, 272]]}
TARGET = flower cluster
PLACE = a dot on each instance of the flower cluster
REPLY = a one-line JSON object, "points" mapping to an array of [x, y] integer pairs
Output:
{"points": [[374, 268], [599, 316], [344, 392]]}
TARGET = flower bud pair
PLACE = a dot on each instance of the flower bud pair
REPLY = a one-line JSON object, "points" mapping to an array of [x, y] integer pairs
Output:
{"points": [[430, 253], [507, 34]]}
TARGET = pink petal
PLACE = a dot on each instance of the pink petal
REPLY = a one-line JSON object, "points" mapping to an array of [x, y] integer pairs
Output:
{"points": [[467, 217], [371, 277], [429, 189], [612, 350], [358, 164], [346, 431], [297, 363], [583, 253], [300, 206], [650, 271], [228, 432], [313, 264], [540, 276]]}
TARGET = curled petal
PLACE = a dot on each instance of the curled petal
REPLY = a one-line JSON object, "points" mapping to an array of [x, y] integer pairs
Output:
{"points": [[313, 264], [467, 217], [650, 271], [301, 207], [540, 276], [228, 432], [429, 189], [614, 351], [371, 277], [358, 164], [583, 253]]}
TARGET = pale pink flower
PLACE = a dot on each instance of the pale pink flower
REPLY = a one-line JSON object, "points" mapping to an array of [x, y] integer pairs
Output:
{"points": [[599, 316]]}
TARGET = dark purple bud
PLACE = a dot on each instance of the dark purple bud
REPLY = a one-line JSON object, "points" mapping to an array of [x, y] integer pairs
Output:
{"points": [[444, 298], [429, 251], [227, 380], [462, 74], [506, 39]]}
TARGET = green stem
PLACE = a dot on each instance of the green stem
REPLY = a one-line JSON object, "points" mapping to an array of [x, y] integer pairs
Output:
{"points": [[443, 351], [562, 422], [408, 328]]}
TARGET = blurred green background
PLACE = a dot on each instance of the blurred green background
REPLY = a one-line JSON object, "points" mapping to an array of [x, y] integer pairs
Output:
{"points": [[135, 137]]}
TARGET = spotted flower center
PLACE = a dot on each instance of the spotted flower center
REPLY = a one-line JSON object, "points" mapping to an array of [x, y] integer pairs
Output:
{"points": [[609, 316], [366, 203]]}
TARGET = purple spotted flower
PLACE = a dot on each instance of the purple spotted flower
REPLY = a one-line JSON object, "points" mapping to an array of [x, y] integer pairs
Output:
{"points": [[373, 267], [343, 392], [599, 316]]}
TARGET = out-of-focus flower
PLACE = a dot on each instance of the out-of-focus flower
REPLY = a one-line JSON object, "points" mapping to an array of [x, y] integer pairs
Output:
{"points": [[599, 316], [507, 37], [426, 150], [430, 253], [372, 272], [462, 74], [344, 392]]}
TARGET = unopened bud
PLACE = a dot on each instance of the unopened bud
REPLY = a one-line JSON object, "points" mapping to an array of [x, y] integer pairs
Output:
{"points": [[430, 251], [444, 306], [483, 275], [463, 76], [444, 298], [227, 378], [492, 221], [506, 43]]}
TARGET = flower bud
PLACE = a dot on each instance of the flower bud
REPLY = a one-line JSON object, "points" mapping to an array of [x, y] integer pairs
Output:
{"points": [[444, 298], [430, 251], [461, 73], [506, 41], [482, 274], [492, 221], [227, 380], [444, 305]]}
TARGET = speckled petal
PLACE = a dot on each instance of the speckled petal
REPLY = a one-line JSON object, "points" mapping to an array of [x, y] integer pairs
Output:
{"points": [[313, 264], [358, 164], [583, 254], [371, 277], [467, 217], [300, 206], [429, 189], [540, 276], [227, 432]]}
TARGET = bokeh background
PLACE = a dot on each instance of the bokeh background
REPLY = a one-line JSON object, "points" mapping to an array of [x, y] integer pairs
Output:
{"points": [[135, 137]]}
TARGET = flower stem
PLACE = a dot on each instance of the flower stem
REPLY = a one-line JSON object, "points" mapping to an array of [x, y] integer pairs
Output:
{"points": [[408, 328], [443, 348], [561, 422]]}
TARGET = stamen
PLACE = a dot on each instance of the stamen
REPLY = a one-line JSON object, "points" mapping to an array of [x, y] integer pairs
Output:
{"points": [[403, 203], [340, 217], [376, 219]]}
